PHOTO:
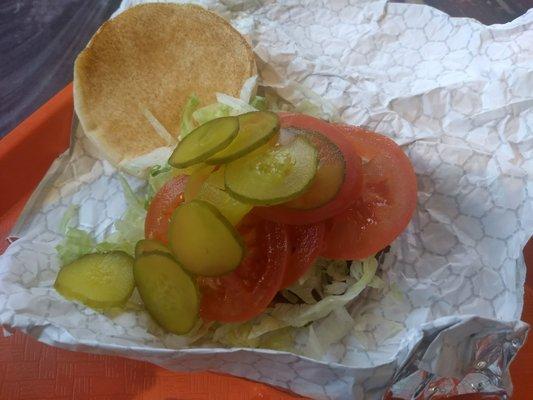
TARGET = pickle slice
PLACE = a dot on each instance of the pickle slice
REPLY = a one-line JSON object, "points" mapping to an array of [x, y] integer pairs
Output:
{"points": [[149, 245], [255, 129], [208, 185], [203, 241], [329, 176], [195, 182], [169, 293], [231, 208], [217, 178], [189, 170], [204, 141], [99, 280], [274, 176]]}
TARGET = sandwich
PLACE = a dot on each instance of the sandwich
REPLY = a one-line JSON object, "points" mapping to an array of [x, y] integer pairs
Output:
{"points": [[256, 224]]}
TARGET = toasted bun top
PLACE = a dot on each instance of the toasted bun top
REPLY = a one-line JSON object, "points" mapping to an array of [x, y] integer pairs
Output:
{"points": [[154, 56]]}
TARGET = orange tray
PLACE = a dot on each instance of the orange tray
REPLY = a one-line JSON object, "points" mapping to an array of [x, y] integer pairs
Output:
{"points": [[30, 370]]}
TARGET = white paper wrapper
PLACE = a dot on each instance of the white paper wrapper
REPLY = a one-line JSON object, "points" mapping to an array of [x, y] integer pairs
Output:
{"points": [[458, 96]]}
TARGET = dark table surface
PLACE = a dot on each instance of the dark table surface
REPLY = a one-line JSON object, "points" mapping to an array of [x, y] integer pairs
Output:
{"points": [[39, 40]]}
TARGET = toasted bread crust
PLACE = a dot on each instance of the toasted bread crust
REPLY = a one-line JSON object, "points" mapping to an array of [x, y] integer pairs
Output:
{"points": [[154, 56]]}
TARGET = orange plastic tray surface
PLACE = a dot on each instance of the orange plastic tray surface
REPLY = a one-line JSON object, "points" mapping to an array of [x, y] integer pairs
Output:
{"points": [[30, 370]]}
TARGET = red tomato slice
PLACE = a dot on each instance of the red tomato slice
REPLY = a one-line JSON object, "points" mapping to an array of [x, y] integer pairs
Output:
{"points": [[306, 244], [247, 291], [385, 206], [163, 204], [346, 194]]}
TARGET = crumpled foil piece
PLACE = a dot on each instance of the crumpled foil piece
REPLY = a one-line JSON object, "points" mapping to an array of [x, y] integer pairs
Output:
{"points": [[457, 95], [459, 358]]}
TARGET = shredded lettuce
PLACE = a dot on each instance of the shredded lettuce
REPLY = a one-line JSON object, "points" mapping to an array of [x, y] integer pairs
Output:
{"points": [[237, 106], [377, 283], [267, 334], [248, 89], [281, 340], [264, 324], [158, 127], [187, 121], [313, 104], [324, 332], [259, 103], [225, 106], [211, 111], [335, 288], [298, 315], [317, 105], [69, 215], [76, 242], [236, 335], [313, 348], [129, 229], [338, 270], [334, 327], [307, 287], [157, 177]]}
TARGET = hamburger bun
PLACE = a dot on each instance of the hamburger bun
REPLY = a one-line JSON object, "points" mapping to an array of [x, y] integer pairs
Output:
{"points": [[153, 57]]}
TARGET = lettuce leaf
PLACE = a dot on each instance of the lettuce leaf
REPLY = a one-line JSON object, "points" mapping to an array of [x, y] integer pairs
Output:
{"points": [[211, 111], [248, 89], [298, 315], [280, 340], [324, 332], [316, 105], [264, 324], [187, 121], [236, 105], [308, 286], [158, 127], [236, 335], [225, 106], [157, 177], [129, 229], [76, 242], [267, 334], [260, 103], [313, 348]]}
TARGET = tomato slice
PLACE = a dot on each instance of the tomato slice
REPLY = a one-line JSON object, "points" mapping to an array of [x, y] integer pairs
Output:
{"points": [[350, 189], [306, 243], [247, 291], [385, 206], [163, 204]]}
